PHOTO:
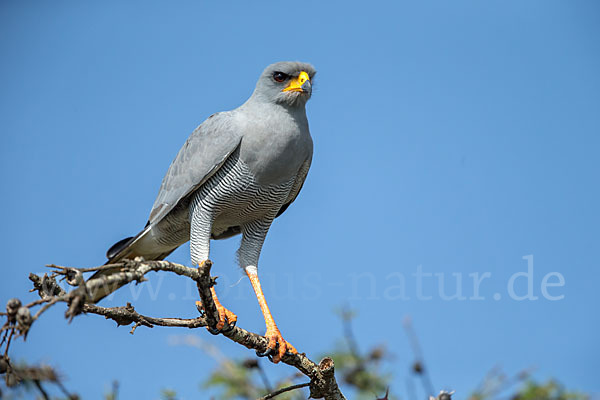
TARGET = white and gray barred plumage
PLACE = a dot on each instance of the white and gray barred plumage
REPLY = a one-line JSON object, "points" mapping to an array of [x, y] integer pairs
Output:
{"points": [[235, 174], [232, 198]]}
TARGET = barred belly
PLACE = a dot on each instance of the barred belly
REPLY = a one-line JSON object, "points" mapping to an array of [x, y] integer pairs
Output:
{"points": [[232, 199]]}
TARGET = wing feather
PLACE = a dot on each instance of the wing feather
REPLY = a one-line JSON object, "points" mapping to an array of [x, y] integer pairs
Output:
{"points": [[298, 183], [203, 153]]}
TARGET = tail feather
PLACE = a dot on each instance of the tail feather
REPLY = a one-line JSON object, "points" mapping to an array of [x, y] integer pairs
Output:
{"points": [[124, 248], [127, 248], [118, 247]]}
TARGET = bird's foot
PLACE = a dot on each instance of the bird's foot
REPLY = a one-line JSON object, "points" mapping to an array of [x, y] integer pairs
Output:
{"points": [[225, 317], [277, 346]]}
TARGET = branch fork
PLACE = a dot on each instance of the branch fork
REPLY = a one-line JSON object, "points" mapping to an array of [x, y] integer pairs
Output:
{"points": [[322, 379]]}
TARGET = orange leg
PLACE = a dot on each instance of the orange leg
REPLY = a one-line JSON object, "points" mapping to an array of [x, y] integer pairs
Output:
{"points": [[273, 335], [224, 314]]}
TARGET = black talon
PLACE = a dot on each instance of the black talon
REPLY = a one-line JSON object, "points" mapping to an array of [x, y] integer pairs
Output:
{"points": [[259, 354], [229, 327], [216, 331], [268, 353], [213, 331]]}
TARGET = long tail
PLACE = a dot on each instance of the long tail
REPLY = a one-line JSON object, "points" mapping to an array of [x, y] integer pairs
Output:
{"points": [[127, 248]]}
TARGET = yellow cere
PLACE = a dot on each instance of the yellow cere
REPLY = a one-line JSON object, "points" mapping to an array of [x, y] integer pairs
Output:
{"points": [[296, 84]]}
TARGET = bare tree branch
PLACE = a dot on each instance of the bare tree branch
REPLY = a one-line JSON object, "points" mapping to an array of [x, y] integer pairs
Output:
{"points": [[419, 364], [326, 386], [36, 375], [283, 390], [126, 315], [19, 320], [38, 384]]}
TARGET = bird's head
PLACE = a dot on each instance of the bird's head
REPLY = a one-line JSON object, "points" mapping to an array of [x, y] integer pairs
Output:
{"points": [[287, 83]]}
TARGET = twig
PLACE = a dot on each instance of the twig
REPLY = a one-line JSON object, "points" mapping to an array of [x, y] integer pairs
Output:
{"points": [[38, 302], [6, 327], [127, 315], [283, 390], [115, 391], [349, 333], [419, 366], [66, 392], [38, 384], [229, 367], [326, 386], [204, 282], [10, 336], [37, 375], [50, 303], [263, 375], [495, 382], [322, 385]]}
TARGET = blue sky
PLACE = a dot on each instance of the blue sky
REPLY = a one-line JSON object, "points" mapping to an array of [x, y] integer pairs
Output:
{"points": [[451, 138]]}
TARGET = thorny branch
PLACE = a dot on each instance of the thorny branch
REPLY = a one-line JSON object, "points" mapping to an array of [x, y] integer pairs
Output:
{"points": [[19, 320], [38, 375], [283, 390], [419, 363]]}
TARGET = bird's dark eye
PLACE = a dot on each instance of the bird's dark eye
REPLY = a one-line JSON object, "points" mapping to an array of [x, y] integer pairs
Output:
{"points": [[279, 76]]}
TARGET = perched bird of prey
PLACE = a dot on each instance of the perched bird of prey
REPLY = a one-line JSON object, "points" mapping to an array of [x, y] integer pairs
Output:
{"points": [[235, 174]]}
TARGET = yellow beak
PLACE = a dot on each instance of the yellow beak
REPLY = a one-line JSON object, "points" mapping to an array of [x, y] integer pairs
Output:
{"points": [[296, 84]]}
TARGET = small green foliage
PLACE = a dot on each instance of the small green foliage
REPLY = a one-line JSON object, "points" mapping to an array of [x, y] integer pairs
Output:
{"points": [[551, 390], [531, 390], [240, 379], [168, 394], [361, 373], [233, 378], [113, 394], [358, 370]]}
